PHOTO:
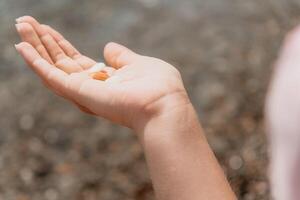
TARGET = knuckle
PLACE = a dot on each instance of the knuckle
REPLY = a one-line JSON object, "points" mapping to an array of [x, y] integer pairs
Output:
{"points": [[39, 47], [26, 28], [58, 55], [46, 37]]}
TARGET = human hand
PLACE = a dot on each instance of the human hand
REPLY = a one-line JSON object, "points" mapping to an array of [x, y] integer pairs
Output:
{"points": [[143, 93], [139, 88]]}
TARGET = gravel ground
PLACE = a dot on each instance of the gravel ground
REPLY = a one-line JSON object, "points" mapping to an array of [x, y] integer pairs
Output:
{"points": [[225, 50]]}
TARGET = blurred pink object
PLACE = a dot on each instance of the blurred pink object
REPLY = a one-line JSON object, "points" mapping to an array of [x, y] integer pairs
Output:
{"points": [[283, 121]]}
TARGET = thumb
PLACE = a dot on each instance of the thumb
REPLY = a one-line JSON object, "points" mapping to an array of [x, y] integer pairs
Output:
{"points": [[118, 56]]}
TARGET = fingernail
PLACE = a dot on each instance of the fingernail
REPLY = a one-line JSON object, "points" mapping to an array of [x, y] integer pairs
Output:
{"points": [[17, 27], [19, 19], [17, 46]]}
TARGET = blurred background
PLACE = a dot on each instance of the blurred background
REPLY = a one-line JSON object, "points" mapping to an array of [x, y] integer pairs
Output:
{"points": [[225, 50]]}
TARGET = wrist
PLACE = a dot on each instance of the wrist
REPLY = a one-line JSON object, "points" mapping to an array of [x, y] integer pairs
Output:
{"points": [[162, 105], [171, 114], [179, 157]]}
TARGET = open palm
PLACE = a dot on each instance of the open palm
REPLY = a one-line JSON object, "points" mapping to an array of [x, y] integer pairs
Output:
{"points": [[136, 88]]}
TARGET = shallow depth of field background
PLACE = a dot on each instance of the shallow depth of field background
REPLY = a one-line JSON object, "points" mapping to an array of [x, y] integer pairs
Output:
{"points": [[225, 50]]}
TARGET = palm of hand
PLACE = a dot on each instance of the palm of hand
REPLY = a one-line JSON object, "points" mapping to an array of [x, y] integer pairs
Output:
{"points": [[142, 81]]}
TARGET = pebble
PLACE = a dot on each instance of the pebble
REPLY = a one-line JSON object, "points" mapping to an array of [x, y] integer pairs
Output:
{"points": [[51, 136], [150, 3], [35, 145], [96, 68], [26, 122], [51, 194], [249, 196], [26, 175], [235, 162], [261, 188]]}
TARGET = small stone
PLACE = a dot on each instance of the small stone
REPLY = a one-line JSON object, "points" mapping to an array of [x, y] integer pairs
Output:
{"points": [[249, 196], [35, 145], [26, 175], [51, 194], [26, 122], [66, 182], [64, 168], [235, 162], [22, 197], [150, 3], [51, 136], [261, 188]]}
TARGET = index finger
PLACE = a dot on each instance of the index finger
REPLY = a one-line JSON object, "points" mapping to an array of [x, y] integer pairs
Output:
{"points": [[54, 76]]}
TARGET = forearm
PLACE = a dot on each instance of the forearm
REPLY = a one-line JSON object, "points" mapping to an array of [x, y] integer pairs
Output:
{"points": [[180, 161]]}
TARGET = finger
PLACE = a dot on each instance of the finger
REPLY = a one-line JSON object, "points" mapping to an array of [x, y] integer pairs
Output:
{"points": [[61, 60], [69, 49], [68, 65], [46, 41], [66, 46], [55, 52], [118, 56], [41, 30], [54, 76], [33, 22], [58, 80], [52, 47], [28, 34]]}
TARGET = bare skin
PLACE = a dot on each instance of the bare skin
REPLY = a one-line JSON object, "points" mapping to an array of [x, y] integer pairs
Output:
{"points": [[149, 97], [282, 113]]}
